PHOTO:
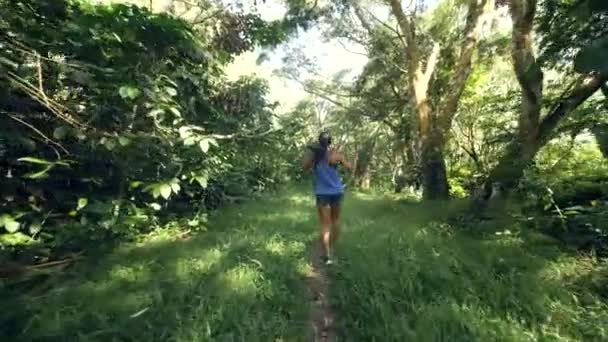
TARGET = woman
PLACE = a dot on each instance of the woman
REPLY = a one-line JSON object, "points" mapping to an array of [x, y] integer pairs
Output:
{"points": [[328, 188]]}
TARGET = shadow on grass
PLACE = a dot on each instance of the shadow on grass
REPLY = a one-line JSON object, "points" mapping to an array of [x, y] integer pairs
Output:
{"points": [[242, 280]]}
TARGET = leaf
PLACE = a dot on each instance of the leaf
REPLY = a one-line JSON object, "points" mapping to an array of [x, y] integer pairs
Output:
{"points": [[124, 141], [109, 144], [35, 228], [201, 180], [82, 202], [184, 132], [40, 174], [165, 190], [156, 191], [135, 184], [11, 225], [189, 141], [34, 160], [171, 91], [117, 37], [60, 132], [139, 313], [155, 206], [593, 58], [175, 111], [129, 92], [204, 145], [175, 187]]}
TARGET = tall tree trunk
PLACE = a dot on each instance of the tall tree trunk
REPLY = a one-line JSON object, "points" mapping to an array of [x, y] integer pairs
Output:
{"points": [[433, 127], [364, 159]]}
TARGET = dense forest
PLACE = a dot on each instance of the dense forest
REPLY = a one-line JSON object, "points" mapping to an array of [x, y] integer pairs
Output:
{"points": [[136, 174]]}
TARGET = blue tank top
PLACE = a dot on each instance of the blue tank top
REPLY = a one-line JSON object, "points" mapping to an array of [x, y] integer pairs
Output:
{"points": [[327, 179]]}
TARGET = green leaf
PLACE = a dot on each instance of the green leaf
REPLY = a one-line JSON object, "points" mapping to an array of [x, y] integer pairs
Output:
{"points": [[201, 180], [135, 184], [82, 202], [40, 174], [175, 187], [11, 225], [35, 228], [175, 111], [204, 145], [156, 191], [60, 132], [34, 160], [190, 141], [124, 141], [593, 58], [129, 92], [109, 144], [184, 132], [155, 206], [171, 91], [165, 190]]}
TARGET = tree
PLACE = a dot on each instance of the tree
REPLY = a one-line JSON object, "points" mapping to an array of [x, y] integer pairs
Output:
{"points": [[434, 123], [535, 130]]}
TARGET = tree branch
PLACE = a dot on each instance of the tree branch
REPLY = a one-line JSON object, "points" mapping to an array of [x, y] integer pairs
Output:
{"points": [[472, 31], [37, 131], [588, 85]]}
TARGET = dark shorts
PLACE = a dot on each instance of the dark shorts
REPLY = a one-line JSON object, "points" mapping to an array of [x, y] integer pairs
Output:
{"points": [[329, 200]]}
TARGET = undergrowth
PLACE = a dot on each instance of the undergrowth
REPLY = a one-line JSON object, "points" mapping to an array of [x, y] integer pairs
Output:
{"points": [[402, 275]]}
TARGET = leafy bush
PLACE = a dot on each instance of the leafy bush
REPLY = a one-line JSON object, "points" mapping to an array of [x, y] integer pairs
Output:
{"points": [[111, 114]]}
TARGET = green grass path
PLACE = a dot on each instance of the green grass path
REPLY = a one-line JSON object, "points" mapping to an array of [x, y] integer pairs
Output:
{"points": [[402, 276]]}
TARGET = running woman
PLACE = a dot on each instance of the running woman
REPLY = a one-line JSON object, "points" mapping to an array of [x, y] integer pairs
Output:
{"points": [[328, 188]]}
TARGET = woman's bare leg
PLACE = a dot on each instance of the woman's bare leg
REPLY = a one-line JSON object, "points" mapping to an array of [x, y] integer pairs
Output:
{"points": [[325, 217], [335, 223]]}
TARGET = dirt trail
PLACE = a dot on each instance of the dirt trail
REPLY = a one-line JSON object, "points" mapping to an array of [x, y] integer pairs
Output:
{"points": [[322, 318]]}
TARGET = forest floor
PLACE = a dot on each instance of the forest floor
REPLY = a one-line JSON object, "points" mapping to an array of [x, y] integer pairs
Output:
{"points": [[253, 275]]}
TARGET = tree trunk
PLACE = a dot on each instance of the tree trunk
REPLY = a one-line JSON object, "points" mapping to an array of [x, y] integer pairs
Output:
{"points": [[434, 174], [364, 159], [601, 136], [521, 152], [432, 127]]}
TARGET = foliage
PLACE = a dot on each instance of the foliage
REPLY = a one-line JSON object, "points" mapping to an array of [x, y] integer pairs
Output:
{"points": [[240, 279], [110, 113]]}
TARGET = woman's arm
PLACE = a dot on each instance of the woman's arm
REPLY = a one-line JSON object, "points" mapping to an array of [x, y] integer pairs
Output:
{"points": [[339, 158], [308, 161]]}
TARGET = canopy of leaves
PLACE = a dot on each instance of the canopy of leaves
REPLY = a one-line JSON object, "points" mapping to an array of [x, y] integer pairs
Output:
{"points": [[109, 113]]}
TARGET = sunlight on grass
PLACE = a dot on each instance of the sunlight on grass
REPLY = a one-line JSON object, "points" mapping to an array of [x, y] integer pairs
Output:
{"points": [[280, 247], [301, 199], [241, 279]]}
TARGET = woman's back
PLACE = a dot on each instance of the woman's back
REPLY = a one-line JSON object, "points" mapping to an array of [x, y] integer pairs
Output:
{"points": [[327, 178]]}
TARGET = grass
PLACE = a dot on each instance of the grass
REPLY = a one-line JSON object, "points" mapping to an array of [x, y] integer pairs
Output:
{"points": [[407, 276], [240, 281], [403, 275]]}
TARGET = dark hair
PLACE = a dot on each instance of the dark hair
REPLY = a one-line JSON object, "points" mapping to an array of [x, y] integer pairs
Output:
{"points": [[325, 139], [321, 149]]}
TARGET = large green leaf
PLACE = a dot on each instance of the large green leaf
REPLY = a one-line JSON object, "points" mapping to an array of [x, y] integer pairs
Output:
{"points": [[165, 190], [593, 58], [9, 223]]}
